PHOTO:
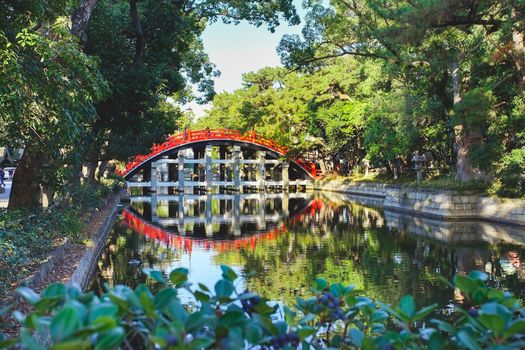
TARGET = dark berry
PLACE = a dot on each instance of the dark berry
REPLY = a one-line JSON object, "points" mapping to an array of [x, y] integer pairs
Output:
{"points": [[293, 338], [171, 340], [473, 312]]}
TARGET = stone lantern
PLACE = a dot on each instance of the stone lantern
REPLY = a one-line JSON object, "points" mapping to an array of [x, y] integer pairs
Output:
{"points": [[419, 165], [365, 165]]}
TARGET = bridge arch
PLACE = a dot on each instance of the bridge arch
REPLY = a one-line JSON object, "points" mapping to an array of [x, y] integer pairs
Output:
{"points": [[199, 138]]}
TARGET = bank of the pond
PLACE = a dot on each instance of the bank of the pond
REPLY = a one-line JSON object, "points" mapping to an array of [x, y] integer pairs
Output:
{"points": [[434, 203], [70, 258]]}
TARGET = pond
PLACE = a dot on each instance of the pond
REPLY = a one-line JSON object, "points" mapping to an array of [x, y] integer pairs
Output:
{"points": [[280, 242]]}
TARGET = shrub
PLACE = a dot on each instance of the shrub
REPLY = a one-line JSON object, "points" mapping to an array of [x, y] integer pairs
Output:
{"points": [[511, 174], [27, 239], [336, 316]]}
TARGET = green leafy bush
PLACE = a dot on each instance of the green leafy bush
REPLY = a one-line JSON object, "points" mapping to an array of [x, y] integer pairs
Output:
{"points": [[511, 174], [27, 239], [336, 316]]}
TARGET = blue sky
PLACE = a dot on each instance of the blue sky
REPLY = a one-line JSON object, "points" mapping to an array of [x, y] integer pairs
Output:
{"points": [[239, 49]]}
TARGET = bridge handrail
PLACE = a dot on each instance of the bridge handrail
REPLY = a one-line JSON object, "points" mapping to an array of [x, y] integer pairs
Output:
{"points": [[190, 136]]}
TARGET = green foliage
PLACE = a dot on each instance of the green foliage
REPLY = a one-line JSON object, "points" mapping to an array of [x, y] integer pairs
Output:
{"points": [[385, 135], [305, 111], [336, 316], [48, 90], [437, 65], [143, 79], [26, 240], [474, 108], [511, 174]]}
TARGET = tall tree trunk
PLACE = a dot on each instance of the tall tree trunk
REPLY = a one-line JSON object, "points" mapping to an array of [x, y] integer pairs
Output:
{"points": [[464, 138], [519, 52], [79, 24], [140, 42], [26, 190], [102, 168], [91, 167], [80, 19], [464, 168]]}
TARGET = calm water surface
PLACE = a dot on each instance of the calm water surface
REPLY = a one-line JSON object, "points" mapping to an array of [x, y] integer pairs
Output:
{"points": [[279, 243]]}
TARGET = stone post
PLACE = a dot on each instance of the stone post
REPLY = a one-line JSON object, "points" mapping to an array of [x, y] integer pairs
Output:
{"points": [[209, 173], [181, 172], [285, 175], [172, 176], [419, 163], [222, 167], [366, 165], [262, 170], [236, 168], [153, 179]]}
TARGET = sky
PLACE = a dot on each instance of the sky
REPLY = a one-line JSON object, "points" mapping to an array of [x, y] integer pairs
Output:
{"points": [[239, 49]]}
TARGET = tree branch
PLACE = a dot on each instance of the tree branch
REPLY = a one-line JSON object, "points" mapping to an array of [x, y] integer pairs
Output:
{"points": [[80, 19]]}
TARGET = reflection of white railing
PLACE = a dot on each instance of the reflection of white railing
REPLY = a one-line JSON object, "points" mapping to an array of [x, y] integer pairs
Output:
{"points": [[220, 196], [236, 215], [222, 219], [147, 184]]}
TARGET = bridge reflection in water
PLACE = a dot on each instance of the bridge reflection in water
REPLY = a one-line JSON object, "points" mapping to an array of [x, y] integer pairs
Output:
{"points": [[282, 241]]}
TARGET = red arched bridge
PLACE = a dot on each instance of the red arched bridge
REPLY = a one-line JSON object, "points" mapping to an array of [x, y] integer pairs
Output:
{"points": [[218, 157]]}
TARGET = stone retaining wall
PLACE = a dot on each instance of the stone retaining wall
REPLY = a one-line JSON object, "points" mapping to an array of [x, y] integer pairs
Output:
{"points": [[454, 231], [508, 210], [438, 204], [86, 267], [441, 204]]}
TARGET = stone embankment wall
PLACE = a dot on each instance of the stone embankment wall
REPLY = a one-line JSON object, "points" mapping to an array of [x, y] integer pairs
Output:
{"points": [[439, 204]]}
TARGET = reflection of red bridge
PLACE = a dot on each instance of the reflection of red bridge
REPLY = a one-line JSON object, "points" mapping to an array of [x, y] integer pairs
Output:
{"points": [[182, 242], [189, 137]]}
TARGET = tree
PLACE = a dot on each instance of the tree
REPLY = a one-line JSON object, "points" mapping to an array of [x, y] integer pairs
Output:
{"points": [[54, 88], [324, 110], [436, 42], [47, 94], [156, 52]]}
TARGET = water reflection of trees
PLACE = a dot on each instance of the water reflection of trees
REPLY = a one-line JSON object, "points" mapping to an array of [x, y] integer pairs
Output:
{"points": [[342, 241], [125, 245], [350, 244]]}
